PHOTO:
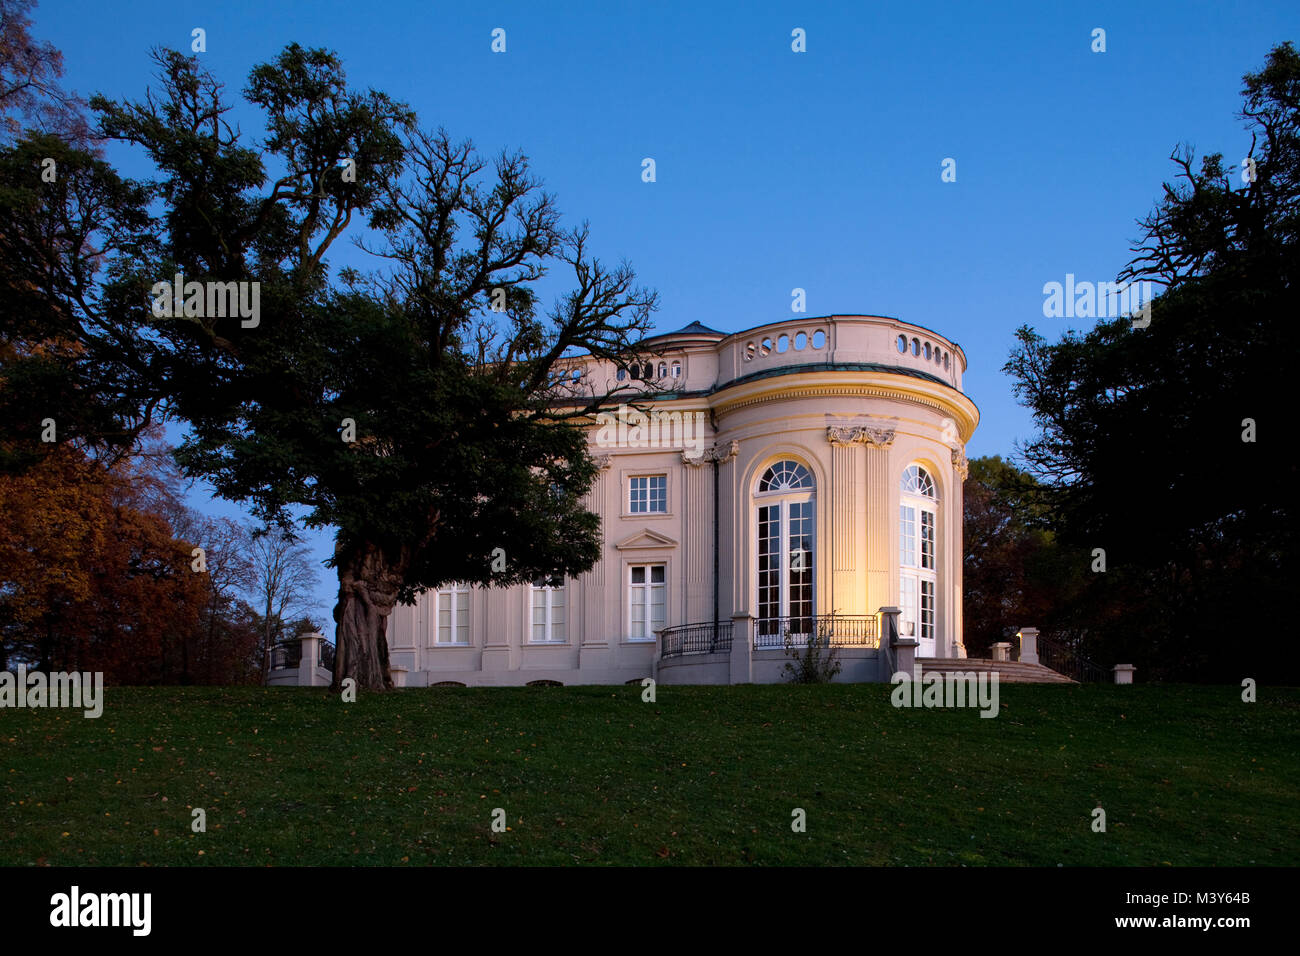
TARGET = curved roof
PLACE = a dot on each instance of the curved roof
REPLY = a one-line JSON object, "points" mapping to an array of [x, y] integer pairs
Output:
{"points": [[694, 329]]}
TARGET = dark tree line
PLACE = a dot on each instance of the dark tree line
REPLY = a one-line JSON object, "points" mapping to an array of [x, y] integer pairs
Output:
{"points": [[1168, 446]]}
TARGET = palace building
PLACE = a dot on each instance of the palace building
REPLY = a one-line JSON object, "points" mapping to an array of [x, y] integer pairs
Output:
{"points": [[803, 477]]}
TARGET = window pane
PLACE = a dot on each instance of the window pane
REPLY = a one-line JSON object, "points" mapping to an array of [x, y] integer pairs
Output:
{"points": [[638, 575], [927, 539], [907, 536], [927, 610], [907, 622], [539, 614], [769, 567], [657, 573], [800, 570], [638, 612], [658, 601], [659, 494]]}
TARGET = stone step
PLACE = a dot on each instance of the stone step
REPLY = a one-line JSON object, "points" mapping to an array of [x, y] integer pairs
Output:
{"points": [[1011, 672]]}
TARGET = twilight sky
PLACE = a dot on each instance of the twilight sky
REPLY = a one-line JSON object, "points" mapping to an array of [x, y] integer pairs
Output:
{"points": [[775, 170]]}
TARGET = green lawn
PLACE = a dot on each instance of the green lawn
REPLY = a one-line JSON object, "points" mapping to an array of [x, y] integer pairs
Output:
{"points": [[592, 775]]}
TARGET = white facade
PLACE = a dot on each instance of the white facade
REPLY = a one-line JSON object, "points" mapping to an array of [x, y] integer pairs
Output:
{"points": [[836, 445]]}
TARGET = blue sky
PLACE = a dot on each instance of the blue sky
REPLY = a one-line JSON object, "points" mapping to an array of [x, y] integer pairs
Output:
{"points": [[775, 170]]}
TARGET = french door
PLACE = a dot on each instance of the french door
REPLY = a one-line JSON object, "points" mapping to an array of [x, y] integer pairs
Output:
{"points": [[917, 575], [785, 570]]}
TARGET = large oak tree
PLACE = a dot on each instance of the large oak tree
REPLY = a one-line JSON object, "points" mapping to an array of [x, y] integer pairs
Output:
{"points": [[394, 405]]}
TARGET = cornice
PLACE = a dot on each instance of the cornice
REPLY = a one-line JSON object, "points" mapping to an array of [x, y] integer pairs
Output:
{"points": [[968, 415]]}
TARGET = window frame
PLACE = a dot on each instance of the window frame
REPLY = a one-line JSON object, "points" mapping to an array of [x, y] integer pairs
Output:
{"points": [[647, 588], [550, 590], [453, 591], [786, 497], [918, 554], [649, 478]]}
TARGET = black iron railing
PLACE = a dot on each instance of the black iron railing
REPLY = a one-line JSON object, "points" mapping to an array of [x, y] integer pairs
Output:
{"points": [[834, 630], [1068, 661], [286, 655], [704, 638]]}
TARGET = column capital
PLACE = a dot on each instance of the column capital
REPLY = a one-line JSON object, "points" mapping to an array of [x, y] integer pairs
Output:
{"points": [[962, 465], [719, 453], [603, 462]]}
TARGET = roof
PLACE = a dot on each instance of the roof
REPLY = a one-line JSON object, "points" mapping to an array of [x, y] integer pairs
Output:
{"points": [[695, 328]]}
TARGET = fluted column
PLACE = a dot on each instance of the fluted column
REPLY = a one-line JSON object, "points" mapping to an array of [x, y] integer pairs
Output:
{"points": [[847, 594], [697, 552], [595, 601], [882, 584], [861, 585]]}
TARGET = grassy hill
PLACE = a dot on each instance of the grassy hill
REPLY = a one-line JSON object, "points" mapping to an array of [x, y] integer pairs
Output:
{"points": [[593, 775]]}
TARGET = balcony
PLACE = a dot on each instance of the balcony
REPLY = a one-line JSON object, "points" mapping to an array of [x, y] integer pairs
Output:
{"points": [[706, 638], [833, 630]]}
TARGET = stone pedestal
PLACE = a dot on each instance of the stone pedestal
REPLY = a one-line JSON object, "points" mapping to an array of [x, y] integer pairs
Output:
{"points": [[311, 643], [742, 649], [1123, 673], [1001, 651], [1029, 645]]}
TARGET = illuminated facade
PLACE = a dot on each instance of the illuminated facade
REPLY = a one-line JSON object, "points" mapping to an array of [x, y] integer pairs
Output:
{"points": [[792, 479]]}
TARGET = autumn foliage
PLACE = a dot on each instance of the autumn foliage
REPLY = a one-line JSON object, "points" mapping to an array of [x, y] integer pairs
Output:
{"points": [[93, 578]]}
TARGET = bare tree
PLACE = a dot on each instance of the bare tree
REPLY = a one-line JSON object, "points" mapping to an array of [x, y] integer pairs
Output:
{"points": [[30, 93], [284, 579]]}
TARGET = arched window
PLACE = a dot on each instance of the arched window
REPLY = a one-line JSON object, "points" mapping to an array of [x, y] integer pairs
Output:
{"points": [[621, 375], [677, 370], [918, 558], [785, 475], [785, 549]]}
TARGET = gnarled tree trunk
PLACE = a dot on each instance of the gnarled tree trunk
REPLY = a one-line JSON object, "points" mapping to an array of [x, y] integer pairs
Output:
{"points": [[369, 581]]}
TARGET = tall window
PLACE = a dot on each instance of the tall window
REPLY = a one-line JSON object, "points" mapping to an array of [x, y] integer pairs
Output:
{"points": [[648, 494], [647, 598], [785, 552], [918, 557], [453, 615], [547, 610]]}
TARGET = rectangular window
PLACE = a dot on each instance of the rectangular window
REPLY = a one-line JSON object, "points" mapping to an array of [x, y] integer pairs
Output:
{"points": [[907, 619], [927, 610], [648, 494], [907, 536], [769, 568], [453, 615], [927, 539], [547, 611], [801, 569], [647, 600]]}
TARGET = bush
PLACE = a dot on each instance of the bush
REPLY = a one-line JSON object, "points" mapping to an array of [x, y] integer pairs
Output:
{"points": [[814, 662]]}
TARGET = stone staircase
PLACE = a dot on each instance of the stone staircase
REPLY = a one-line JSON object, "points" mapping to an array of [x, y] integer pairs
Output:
{"points": [[1009, 672]]}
